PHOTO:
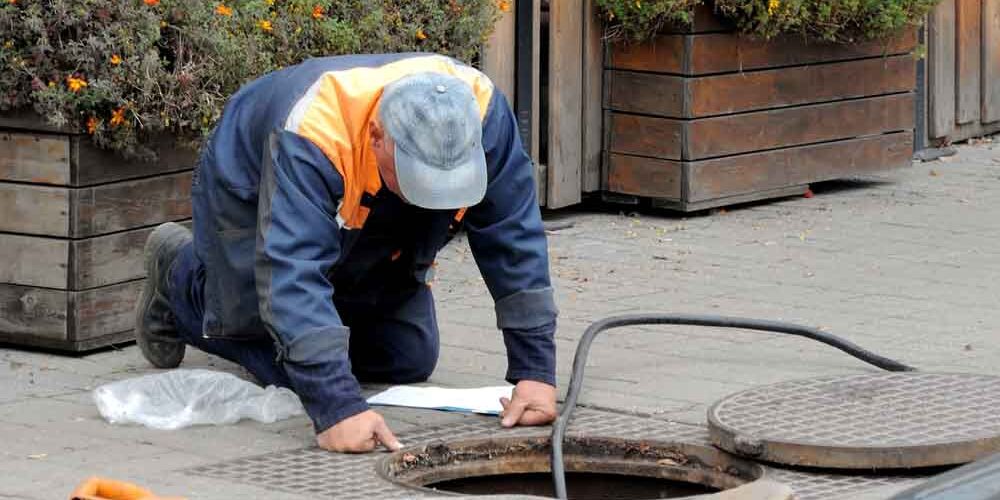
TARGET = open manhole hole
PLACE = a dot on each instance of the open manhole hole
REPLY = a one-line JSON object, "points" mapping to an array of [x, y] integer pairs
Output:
{"points": [[596, 468]]}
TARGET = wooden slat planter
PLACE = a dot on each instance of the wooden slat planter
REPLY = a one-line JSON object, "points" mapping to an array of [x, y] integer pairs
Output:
{"points": [[701, 117], [75, 219]]}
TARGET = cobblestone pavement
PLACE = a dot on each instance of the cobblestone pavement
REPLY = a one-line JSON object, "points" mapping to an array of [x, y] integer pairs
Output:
{"points": [[905, 264]]}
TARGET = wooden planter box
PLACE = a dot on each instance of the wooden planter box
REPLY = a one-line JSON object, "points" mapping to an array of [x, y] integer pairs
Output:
{"points": [[73, 222], [700, 117]]}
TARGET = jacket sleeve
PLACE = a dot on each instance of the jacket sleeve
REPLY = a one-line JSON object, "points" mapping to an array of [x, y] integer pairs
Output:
{"points": [[298, 241], [508, 242]]}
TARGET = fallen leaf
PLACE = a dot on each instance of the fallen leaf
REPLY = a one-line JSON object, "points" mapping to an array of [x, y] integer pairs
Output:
{"points": [[934, 173]]}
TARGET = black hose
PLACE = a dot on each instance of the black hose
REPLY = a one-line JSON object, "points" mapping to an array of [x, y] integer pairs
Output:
{"points": [[580, 362]]}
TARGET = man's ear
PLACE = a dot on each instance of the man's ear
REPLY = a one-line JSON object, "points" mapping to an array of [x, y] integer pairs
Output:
{"points": [[377, 134]]}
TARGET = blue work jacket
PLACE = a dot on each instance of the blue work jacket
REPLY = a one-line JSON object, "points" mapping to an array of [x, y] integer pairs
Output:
{"points": [[283, 191]]}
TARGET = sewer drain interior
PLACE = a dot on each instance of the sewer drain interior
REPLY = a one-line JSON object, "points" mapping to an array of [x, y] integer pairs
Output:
{"points": [[597, 468], [580, 486]]}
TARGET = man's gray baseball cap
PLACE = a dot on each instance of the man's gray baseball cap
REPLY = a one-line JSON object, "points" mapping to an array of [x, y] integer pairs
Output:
{"points": [[434, 120]]}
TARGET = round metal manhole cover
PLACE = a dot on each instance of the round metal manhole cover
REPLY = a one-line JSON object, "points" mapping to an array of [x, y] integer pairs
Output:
{"points": [[869, 421]]}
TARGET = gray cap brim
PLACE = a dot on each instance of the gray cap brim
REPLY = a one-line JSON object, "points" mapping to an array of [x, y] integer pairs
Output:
{"points": [[436, 188]]}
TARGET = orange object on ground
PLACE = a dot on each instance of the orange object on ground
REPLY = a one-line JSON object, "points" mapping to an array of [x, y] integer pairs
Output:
{"points": [[99, 488]]}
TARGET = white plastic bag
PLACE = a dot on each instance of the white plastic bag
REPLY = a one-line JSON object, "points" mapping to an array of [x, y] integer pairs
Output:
{"points": [[180, 398]]}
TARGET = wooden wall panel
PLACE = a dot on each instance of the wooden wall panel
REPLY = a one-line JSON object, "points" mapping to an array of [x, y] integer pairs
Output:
{"points": [[565, 165], [100, 311], [31, 157], [726, 135], [963, 70], [498, 54], [61, 319], [593, 106], [645, 136], [733, 175], [34, 209], [732, 93], [663, 54], [64, 160], [724, 53], [34, 260], [941, 70], [720, 53], [130, 204], [991, 61], [647, 93], [968, 59], [38, 312], [92, 165], [640, 176]]}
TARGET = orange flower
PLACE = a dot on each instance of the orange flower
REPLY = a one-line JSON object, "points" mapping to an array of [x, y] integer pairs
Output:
{"points": [[317, 12], [264, 25], [75, 84], [504, 5], [151, 3], [118, 117], [223, 10], [116, 59], [91, 124], [421, 35]]}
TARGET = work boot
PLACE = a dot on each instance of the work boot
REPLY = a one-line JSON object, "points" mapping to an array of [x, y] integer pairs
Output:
{"points": [[155, 326]]}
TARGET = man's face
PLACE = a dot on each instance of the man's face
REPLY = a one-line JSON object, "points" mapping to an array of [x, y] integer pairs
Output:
{"points": [[385, 155]]}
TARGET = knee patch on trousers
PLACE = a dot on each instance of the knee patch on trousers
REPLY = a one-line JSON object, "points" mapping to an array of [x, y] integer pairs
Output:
{"points": [[314, 346]]}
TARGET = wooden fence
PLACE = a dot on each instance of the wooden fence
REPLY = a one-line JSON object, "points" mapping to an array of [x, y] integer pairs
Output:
{"points": [[564, 95], [963, 73]]}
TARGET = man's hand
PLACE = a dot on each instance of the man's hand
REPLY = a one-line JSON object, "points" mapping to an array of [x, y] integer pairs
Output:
{"points": [[532, 403], [358, 434]]}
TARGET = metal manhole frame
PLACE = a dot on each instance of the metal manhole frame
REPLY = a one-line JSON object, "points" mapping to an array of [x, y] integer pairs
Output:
{"points": [[417, 467], [800, 453]]}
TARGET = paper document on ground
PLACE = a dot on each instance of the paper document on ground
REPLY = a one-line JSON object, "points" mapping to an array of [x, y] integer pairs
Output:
{"points": [[484, 400]]}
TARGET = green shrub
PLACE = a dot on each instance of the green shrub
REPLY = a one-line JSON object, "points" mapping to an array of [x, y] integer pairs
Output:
{"points": [[842, 21], [638, 20], [125, 69], [827, 20]]}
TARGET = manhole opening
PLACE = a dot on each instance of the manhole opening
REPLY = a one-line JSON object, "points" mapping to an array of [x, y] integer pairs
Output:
{"points": [[579, 485], [597, 468]]}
